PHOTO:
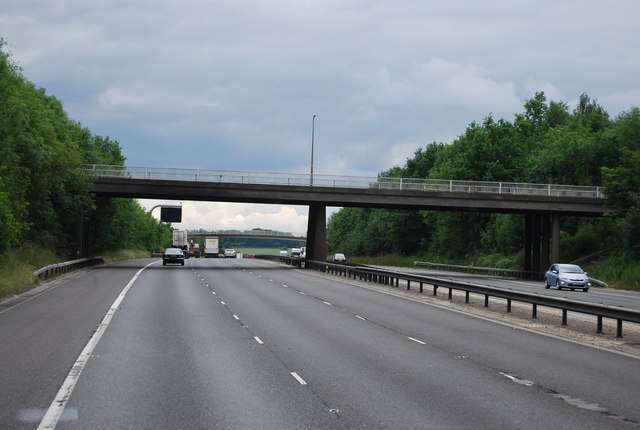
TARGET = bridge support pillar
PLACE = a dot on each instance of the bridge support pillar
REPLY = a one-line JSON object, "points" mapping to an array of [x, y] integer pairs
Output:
{"points": [[541, 241], [555, 239], [317, 233], [528, 221], [81, 240], [546, 235]]}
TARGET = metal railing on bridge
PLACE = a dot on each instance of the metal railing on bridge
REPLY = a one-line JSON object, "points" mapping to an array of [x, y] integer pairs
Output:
{"points": [[336, 181]]}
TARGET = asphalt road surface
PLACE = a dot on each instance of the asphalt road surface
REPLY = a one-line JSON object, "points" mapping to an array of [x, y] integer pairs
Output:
{"points": [[611, 297], [243, 344]]}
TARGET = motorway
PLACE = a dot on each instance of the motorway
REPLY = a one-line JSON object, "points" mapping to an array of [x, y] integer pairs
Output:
{"points": [[610, 297], [245, 344]]}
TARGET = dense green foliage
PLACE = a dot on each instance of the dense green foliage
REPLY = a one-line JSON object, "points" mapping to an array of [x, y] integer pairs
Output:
{"points": [[43, 193], [544, 144]]}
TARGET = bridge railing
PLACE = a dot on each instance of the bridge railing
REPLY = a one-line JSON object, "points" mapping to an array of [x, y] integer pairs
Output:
{"points": [[336, 181]]}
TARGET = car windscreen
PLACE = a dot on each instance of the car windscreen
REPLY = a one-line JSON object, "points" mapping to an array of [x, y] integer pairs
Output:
{"points": [[571, 269]]}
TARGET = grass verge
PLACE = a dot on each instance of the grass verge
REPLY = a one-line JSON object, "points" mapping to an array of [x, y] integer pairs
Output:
{"points": [[17, 265]]}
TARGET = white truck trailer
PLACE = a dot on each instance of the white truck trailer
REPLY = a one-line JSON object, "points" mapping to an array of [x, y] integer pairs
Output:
{"points": [[211, 247]]}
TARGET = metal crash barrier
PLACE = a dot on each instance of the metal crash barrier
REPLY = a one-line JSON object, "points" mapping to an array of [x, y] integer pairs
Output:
{"points": [[393, 278], [67, 266]]}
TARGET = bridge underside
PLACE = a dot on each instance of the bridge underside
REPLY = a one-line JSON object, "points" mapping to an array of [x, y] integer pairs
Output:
{"points": [[541, 240]]}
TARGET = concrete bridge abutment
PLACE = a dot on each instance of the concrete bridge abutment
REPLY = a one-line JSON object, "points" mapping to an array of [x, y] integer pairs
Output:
{"points": [[317, 233]]}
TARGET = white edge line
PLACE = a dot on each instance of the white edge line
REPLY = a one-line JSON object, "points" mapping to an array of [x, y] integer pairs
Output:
{"points": [[52, 416], [416, 340], [298, 378]]}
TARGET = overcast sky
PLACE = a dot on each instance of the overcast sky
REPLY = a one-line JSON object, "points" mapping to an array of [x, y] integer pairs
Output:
{"points": [[234, 84]]}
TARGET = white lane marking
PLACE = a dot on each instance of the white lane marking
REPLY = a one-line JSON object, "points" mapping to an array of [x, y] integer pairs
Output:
{"points": [[222, 302], [302, 293], [298, 378], [258, 340], [327, 303], [213, 292], [236, 317], [56, 408], [517, 380], [270, 280], [358, 316], [418, 341], [284, 285]]}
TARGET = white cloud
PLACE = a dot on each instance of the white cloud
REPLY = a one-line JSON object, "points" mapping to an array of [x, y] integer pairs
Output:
{"points": [[213, 216]]}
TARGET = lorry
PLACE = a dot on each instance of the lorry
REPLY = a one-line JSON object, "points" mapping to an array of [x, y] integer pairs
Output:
{"points": [[180, 241], [211, 247]]}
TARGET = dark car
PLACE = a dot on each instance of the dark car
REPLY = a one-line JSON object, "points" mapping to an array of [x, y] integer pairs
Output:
{"points": [[173, 255], [566, 276]]}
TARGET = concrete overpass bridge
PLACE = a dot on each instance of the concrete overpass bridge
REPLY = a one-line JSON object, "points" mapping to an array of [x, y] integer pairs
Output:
{"points": [[252, 234], [542, 204]]}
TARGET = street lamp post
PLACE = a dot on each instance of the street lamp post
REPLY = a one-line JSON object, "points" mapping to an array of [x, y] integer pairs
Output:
{"points": [[313, 126]]}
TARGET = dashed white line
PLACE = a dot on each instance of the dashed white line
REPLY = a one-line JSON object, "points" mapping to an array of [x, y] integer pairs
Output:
{"points": [[236, 317], [418, 341], [302, 293], [258, 340], [284, 285], [222, 302], [358, 316], [327, 303], [298, 378]]}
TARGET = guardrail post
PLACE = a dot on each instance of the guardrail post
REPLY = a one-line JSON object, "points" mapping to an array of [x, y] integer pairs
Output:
{"points": [[619, 330], [421, 287], [564, 317], [486, 300], [508, 305], [450, 293], [534, 311], [466, 297], [599, 327], [435, 290]]}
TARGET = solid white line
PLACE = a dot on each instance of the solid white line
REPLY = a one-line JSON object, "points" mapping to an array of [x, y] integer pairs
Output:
{"points": [[419, 341], [298, 378], [258, 340], [56, 408]]}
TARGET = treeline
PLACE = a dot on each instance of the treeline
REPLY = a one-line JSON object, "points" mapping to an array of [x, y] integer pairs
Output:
{"points": [[43, 193], [546, 143]]}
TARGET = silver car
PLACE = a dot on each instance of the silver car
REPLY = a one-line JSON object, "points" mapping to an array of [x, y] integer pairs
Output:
{"points": [[566, 276], [339, 258]]}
